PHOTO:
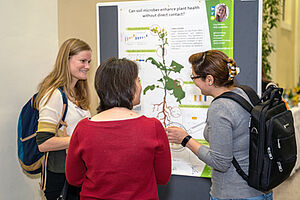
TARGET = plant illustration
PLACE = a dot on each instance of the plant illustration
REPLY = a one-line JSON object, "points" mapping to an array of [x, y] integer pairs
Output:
{"points": [[166, 83]]}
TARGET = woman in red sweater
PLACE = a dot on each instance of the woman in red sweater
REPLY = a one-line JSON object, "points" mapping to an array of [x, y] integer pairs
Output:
{"points": [[118, 154]]}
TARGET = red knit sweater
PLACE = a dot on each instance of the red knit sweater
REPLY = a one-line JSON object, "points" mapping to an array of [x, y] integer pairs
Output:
{"points": [[123, 159]]}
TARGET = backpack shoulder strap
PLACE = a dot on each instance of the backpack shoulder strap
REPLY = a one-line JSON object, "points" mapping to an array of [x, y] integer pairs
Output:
{"points": [[239, 169], [247, 106], [60, 124], [65, 102], [237, 98], [251, 94]]}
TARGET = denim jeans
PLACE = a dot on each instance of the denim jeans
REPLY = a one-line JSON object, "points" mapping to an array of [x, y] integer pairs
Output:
{"points": [[268, 196]]}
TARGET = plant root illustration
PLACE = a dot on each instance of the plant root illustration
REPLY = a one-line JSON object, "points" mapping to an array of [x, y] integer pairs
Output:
{"points": [[169, 86]]}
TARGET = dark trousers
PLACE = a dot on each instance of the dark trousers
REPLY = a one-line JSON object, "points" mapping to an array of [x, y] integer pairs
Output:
{"points": [[54, 185]]}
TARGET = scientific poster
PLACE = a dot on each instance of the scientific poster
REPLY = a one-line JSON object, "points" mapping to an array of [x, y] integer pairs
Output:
{"points": [[160, 36]]}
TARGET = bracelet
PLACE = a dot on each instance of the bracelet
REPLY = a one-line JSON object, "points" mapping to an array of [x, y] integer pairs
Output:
{"points": [[185, 140]]}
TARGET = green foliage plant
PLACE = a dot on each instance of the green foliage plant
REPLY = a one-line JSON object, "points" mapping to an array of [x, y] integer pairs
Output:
{"points": [[168, 85], [271, 16]]}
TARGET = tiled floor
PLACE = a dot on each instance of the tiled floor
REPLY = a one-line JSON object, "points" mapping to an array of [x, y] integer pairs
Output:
{"points": [[290, 189]]}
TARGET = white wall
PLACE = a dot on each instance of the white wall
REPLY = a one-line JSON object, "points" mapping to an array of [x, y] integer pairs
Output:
{"points": [[28, 47]]}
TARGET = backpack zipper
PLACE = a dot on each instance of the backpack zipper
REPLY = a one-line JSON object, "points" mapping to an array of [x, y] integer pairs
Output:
{"points": [[270, 153], [279, 167]]}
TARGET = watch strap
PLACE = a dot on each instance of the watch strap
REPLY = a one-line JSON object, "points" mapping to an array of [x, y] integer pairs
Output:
{"points": [[185, 140]]}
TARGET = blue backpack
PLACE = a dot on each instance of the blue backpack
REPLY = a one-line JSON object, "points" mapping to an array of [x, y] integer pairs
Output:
{"points": [[29, 155]]}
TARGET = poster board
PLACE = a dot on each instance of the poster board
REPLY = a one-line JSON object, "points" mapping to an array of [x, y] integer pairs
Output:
{"points": [[160, 36], [245, 51]]}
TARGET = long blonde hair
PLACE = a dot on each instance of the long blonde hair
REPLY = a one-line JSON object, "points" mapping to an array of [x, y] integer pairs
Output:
{"points": [[61, 75]]}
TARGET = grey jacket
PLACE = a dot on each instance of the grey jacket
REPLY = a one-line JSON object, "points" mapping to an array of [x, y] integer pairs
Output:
{"points": [[228, 134]]}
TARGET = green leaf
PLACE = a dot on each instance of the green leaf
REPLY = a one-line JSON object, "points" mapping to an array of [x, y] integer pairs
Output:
{"points": [[169, 83], [154, 62], [149, 87], [176, 66], [179, 94], [175, 87]]}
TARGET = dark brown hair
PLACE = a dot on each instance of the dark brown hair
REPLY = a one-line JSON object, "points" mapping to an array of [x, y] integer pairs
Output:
{"points": [[115, 83], [215, 63]]}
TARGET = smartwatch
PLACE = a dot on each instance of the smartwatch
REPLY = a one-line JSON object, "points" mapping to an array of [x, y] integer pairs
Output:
{"points": [[185, 140]]}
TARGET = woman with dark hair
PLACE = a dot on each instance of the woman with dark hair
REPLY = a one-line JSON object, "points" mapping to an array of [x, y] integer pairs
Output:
{"points": [[227, 128], [118, 154]]}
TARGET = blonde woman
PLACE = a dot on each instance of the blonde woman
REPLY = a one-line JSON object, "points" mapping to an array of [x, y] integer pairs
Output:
{"points": [[221, 12], [70, 73]]}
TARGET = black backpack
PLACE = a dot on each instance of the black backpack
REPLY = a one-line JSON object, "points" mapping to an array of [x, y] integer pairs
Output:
{"points": [[273, 150]]}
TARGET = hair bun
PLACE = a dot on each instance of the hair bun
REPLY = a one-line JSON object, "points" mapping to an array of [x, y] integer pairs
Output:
{"points": [[197, 58]]}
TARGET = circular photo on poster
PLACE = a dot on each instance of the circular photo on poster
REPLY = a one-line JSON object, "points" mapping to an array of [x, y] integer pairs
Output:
{"points": [[221, 12]]}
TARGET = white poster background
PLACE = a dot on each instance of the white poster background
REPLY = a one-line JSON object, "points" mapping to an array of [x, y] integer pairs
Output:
{"points": [[187, 31]]}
